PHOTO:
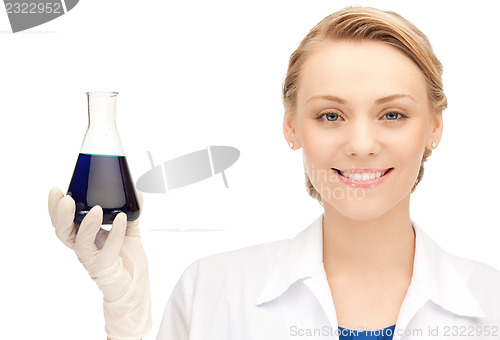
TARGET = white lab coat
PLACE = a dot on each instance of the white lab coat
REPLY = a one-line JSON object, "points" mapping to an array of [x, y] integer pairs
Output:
{"points": [[280, 291]]}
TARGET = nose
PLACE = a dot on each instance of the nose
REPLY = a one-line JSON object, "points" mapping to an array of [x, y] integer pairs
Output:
{"points": [[362, 139]]}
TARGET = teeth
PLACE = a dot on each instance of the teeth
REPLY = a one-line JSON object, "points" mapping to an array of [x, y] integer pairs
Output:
{"points": [[367, 176]]}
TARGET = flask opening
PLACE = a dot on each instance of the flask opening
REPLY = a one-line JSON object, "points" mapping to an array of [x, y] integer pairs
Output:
{"points": [[102, 93]]}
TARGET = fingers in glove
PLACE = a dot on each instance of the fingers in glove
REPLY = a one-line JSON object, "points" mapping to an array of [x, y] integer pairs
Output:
{"points": [[133, 226], [133, 229], [101, 237], [85, 247], [55, 196], [62, 213], [141, 198], [114, 241]]}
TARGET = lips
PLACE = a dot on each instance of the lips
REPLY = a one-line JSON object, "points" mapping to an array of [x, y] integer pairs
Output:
{"points": [[352, 172], [363, 178]]}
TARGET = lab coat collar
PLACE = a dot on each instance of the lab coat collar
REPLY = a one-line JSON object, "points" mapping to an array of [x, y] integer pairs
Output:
{"points": [[434, 275]]}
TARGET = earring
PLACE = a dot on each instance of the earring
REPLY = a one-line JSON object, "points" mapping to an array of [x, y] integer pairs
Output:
{"points": [[433, 145], [291, 145]]}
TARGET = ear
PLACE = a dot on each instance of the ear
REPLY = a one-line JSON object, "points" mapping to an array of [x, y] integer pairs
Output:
{"points": [[437, 128], [289, 122]]}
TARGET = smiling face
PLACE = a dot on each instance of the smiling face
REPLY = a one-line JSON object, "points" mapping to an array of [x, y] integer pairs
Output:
{"points": [[362, 106]]}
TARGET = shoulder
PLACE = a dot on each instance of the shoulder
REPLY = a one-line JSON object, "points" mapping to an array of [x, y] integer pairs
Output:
{"points": [[237, 264], [483, 281], [230, 280], [472, 270]]}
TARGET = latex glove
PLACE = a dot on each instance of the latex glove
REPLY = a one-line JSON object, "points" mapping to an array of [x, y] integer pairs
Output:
{"points": [[120, 268]]}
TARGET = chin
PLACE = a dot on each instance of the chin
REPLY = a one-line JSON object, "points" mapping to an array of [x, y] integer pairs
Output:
{"points": [[359, 210]]}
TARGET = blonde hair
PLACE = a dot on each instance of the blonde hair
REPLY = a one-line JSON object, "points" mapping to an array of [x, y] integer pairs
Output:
{"points": [[367, 23]]}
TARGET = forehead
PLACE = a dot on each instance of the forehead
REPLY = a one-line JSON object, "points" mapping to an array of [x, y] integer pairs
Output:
{"points": [[358, 70]]}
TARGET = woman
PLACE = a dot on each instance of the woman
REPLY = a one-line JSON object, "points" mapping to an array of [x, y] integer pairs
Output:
{"points": [[363, 99]]}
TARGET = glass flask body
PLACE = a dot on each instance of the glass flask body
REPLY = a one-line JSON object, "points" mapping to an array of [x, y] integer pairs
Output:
{"points": [[102, 176]]}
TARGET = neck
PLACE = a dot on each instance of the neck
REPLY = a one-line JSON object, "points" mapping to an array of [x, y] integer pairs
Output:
{"points": [[375, 248]]}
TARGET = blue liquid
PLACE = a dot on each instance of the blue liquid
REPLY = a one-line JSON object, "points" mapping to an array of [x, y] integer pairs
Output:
{"points": [[104, 181]]}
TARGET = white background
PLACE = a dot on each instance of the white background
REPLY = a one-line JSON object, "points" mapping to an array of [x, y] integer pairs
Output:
{"points": [[198, 73]]}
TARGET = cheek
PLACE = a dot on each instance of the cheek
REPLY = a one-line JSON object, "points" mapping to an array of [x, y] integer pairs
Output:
{"points": [[405, 143], [319, 145], [321, 151], [407, 148]]}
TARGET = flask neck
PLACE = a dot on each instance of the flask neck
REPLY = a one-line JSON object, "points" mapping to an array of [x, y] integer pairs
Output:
{"points": [[102, 108], [102, 136]]}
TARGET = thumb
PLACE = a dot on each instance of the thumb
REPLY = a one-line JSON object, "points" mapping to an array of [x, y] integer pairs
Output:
{"points": [[62, 213]]}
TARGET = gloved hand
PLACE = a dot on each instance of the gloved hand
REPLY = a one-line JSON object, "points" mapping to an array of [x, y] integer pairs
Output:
{"points": [[120, 268]]}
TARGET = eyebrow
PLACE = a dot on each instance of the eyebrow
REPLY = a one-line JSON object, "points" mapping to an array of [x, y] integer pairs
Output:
{"points": [[378, 101]]}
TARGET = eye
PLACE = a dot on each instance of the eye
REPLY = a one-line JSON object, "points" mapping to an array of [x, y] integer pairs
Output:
{"points": [[328, 117], [393, 115]]}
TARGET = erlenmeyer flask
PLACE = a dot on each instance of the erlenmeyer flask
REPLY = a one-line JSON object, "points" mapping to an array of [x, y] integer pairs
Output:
{"points": [[101, 175]]}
